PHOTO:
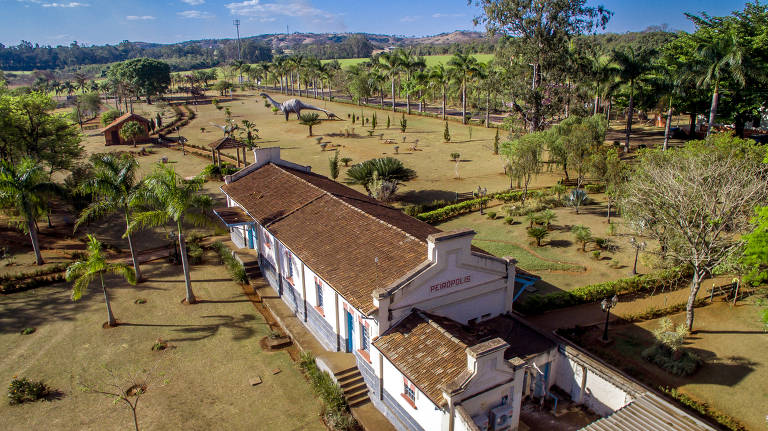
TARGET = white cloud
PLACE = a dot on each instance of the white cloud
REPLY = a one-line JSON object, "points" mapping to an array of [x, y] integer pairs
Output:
{"points": [[301, 9], [139, 18], [194, 2], [70, 4], [194, 14], [447, 15], [410, 18]]}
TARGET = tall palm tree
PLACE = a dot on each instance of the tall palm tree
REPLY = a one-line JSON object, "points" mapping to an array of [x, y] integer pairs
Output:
{"points": [[722, 58], [632, 66], [462, 67], [602, 70], [391, 64], [166, 197], [25, 188], [83, 272], [82, 80], [410, 65], [438, 77], [112, 185]]}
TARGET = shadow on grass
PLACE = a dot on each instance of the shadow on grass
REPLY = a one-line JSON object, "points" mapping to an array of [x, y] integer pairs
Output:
{"points": [[200, 332]]}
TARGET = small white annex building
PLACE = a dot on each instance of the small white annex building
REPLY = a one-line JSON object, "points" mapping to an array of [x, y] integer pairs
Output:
{"points": [[426, 314]]}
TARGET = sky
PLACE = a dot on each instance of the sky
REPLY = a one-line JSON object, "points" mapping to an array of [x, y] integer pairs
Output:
{"points": [[61, 22]]}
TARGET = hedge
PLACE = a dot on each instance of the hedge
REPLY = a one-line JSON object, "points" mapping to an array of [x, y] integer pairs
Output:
{"points": [[453, 210], [535, 304]]}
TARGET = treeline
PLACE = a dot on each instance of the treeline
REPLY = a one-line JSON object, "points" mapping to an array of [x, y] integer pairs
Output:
{"points": [[180, 56]]}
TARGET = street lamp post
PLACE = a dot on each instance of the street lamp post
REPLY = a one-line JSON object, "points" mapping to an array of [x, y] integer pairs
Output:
{"points": [[481, 193], [638, 246], [606, 305]]}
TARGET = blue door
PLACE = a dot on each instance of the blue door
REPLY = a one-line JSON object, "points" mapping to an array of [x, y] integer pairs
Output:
{"points": [[250, 237], [350, 332]]}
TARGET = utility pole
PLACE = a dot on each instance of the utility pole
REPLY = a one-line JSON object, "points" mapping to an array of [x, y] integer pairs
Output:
{"points": [[236, 23]]}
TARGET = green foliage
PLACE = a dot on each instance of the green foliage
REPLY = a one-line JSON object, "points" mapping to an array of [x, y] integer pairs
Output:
{"points": [[452, 210], [53, 269], [403, 124], [310, 119], [755, 256], [235, 268], [704, 409], [670, 337], [523, 156], [388, 122], [345, 160], [333, 164], [491, 215], [681, 364], [669, 278], [148, 76], [373, 121], [495, 141], [218, 172], [538, 233], [132, 130], [509, 220], [577, 198], [24, 390], [446, 133], [336, 407], [108, 117], [195, 253], [583, 234], [27, 331], [387, 168], [455, 156], [596, 255]]}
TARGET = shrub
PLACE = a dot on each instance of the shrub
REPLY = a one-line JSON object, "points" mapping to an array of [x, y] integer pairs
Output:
{"points": [[345, 160], [27, 331], [446, 133], [403, 124], [583, 234], [538, 233], [534, 304], [195, 254], [236, 269], [681, 363], [336, 409], [596, 255], [595, 188], [704, 409], [413, 210], [601, 243], [455, 156], [23, 390], [491, 215], [509, 220], [108, 117]]}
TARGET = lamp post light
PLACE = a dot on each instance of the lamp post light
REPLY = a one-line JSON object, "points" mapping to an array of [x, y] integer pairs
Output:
{"points": [[481, 193], [638, 245], [181, 140], [606, 305]]}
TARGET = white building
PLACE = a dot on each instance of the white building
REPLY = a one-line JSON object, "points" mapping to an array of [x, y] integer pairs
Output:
{"points": [[426, 314]]}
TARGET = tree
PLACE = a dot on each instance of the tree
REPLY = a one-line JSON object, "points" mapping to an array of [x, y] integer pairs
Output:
{"points": [[538, 233], [29, 128], [573, 141], [148, 76], [583, 234], [132, 130], [166, 197], [547, 217], [333, 164], [524, 158], [309, 120], [83, 272], [463, 66], [632, 65], [439, 77], [722, 58], [577, 198], [540, 32], [755, 256], [391, 65], [112, 185], [25, 189], [403, 124], [695, 201], [386, 168], [446, 133], [108, 117]]}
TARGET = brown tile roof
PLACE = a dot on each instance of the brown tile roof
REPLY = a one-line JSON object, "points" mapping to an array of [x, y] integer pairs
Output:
{"points": [[430, 350], [427, 351], [226, 142], [337, 231], [123, 118]]}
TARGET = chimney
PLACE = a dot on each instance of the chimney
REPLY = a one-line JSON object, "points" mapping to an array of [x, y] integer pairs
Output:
{"points": [[440, 245], [486, 356], [262, 156]]}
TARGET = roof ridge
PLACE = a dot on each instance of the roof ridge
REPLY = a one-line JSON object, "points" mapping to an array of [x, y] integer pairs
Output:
{"points": [[333, 195], [439, 327], [271, 222]]}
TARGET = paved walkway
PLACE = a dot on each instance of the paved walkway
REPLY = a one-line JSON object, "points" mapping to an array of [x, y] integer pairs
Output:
{"points": [[366, 414]]}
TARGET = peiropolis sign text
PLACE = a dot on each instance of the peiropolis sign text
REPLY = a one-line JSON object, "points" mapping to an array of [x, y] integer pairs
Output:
{"points": [[448, 284]]}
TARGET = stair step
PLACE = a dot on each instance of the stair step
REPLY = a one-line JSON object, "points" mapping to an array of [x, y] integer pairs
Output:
{"points": [[354, 388], [348, 377], [359, 403], [356, 396], [345, 383], [347, 371]]}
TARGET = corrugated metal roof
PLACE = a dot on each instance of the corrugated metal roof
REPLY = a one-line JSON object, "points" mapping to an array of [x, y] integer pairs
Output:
{"points": [[649, 412]]}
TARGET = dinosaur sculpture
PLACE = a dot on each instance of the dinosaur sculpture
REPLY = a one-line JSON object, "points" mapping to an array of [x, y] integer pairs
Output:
{"points": [[295, 106]]}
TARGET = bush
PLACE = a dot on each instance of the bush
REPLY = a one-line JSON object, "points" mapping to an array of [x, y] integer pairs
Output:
{"points": [[455, 156], [236, 269], [108, 117], [681, 363], [536, 303], [194, 253], [27, 331], [336, 411], [594, 188], [492, 215], [413, 210], [704, 409], [23, 390], [596, 255], [509, 220]]}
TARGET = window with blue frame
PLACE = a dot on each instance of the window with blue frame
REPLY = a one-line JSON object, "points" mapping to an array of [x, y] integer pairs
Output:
{"points": [[364, 340], [288, 267], [409, 391], [319, 289]]}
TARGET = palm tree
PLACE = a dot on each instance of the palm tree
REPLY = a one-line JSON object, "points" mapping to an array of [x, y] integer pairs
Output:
{"points": [[463, 66], [439, 78], [83, 272], [81, 79], [386, 168], [538, 233], [722, 58], [391, 64], [602, 71], [309, 119], [112, 185], [165, 197], [632, 66], [25, 188], [410, 64]]}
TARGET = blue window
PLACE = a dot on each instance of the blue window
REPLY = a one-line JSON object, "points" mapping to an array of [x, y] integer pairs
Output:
{"points": [[364, 337], [408, 391], [289, 269], [319, 289]]}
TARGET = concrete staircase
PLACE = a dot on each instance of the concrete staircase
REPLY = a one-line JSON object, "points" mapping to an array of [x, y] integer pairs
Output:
{"points": [[353, 386]]}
